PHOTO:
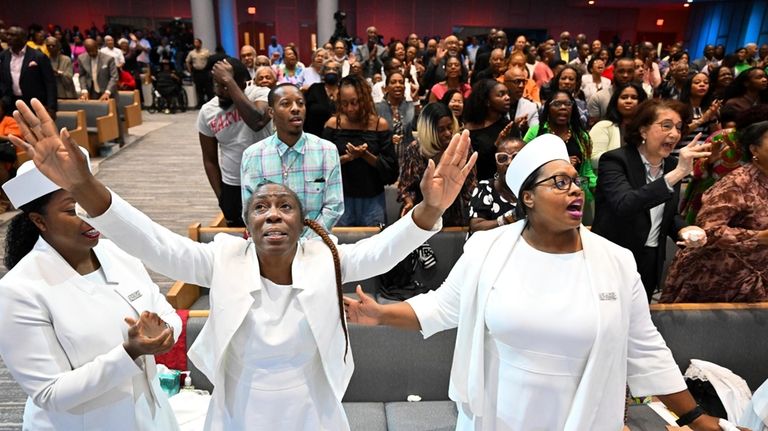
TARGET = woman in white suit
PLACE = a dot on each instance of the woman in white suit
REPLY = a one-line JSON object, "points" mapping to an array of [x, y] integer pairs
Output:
{"points": [[552, 320], [275, 345], [79, 319]]}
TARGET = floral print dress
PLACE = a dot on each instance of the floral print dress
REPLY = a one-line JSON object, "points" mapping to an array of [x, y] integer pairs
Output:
{"points": [[731, 267]]}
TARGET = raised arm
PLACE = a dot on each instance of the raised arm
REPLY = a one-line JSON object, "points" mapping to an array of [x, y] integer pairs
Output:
{"points": [[254, 114], [59, 158], [439, 186]]}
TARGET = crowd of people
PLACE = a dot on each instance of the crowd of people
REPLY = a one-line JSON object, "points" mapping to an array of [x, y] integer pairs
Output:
{"points": [[521, 143]]}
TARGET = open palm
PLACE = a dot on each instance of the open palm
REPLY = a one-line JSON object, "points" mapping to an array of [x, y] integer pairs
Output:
{"points": [[442, 183], [54, 153]]}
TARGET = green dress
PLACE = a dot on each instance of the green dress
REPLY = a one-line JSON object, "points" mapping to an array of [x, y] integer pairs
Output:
{"points": [[575, 147]]}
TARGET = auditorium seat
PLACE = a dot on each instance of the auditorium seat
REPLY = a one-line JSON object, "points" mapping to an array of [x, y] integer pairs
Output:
{"points": [[75, 123], [129, 110], [390, 365], [729, 335], [101, 119]]}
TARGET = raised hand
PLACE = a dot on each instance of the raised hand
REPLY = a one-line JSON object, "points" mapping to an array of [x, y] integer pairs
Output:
{"points": [[508, 129], [55, 153], [691, 152], [442, 183], [147, 336], [365, 311], [223, 73]]}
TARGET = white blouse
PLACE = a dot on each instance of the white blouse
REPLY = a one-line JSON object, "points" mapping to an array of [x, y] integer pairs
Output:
{"points": [[274, 374], [540, 326]]}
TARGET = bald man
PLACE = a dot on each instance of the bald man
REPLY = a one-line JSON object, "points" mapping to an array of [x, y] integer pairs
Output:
{"points": [[436, 68], [98, 73], [369, 54], [563, 50], [248, 57]]}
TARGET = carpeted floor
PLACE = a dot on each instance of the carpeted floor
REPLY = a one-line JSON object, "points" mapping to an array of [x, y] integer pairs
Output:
{"points": [[161, 173]]}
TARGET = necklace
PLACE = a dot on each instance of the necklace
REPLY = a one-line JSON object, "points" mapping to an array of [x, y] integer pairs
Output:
{"points": [[286, 169]]}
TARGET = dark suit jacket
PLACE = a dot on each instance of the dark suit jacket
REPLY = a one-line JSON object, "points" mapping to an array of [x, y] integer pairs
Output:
{"points": [[623, 201], [107, 75], [36, 79], [572, 54]]}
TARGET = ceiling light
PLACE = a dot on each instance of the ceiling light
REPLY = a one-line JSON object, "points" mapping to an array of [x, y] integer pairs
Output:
{"points": [[686, 5], [591, 2]]}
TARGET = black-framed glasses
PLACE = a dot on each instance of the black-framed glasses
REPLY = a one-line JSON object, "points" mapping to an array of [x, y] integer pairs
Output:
{"points": [[561, 103], [563, 182], [504, 158]]}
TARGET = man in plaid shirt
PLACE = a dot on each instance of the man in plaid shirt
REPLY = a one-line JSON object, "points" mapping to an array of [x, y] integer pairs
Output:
{"points": [[307, 164]]}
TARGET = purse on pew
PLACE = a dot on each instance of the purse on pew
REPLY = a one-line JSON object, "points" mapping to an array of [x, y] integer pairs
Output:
{"points": [[398, 283]]}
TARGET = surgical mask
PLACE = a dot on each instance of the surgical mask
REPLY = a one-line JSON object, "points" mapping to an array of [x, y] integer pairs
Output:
{"points": [[331, 78]]}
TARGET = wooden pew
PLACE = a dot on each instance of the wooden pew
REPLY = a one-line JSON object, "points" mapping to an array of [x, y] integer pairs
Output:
{"points": [[129, 103], [101, 118], [129, 108], [76, 123]]}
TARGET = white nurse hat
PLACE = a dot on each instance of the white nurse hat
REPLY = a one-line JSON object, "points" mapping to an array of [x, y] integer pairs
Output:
{"points": [[543, 149], [30, 184]]}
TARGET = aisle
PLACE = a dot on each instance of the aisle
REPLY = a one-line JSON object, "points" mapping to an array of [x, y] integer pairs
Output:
{"points": [[162, 175]]}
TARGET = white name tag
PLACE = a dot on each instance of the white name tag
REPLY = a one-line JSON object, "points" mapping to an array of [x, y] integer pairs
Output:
{"points": [[608, 296], [134, 296]]}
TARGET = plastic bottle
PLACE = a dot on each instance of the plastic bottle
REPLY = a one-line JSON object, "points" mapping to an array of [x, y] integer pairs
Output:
{"points": [[187, 381]]}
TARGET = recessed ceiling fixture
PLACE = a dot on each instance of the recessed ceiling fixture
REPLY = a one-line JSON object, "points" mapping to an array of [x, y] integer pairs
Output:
{"points": [[686, 5], [591, 2]]}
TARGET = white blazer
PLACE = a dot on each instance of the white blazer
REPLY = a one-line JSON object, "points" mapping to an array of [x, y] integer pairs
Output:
{"points": [[627, 348], [230, 267], [61, 337]]}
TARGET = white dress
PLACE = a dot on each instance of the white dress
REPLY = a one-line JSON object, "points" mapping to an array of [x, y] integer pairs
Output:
{"points": [[540, 326], [274, 360]]}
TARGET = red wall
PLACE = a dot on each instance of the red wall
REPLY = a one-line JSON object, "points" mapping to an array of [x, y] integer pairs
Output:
{"points": [[85, 12], [397, 18], [394, 18]]}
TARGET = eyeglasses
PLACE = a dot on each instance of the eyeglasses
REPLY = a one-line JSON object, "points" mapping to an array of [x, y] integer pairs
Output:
{"points": [[517, 82], [561, 104], [563, 182], [668, 125], [504, 158]]}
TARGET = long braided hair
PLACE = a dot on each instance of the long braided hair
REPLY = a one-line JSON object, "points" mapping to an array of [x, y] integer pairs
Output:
{"points": [[320, 231]]}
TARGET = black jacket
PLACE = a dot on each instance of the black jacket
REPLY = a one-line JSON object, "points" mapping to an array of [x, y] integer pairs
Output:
{"points": [[623, 201], [36, 79]]}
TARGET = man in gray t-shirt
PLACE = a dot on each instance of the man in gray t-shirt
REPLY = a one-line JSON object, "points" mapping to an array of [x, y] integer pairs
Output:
{"points": [[227, 125]]}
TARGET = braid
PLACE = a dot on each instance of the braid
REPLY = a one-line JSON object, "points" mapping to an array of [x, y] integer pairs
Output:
{"points": [[320, 231], [20, 238], [22, 234]]}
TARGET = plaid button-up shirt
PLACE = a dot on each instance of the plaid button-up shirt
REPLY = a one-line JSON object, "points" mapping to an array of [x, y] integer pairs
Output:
{"points": [[311, 168]]}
